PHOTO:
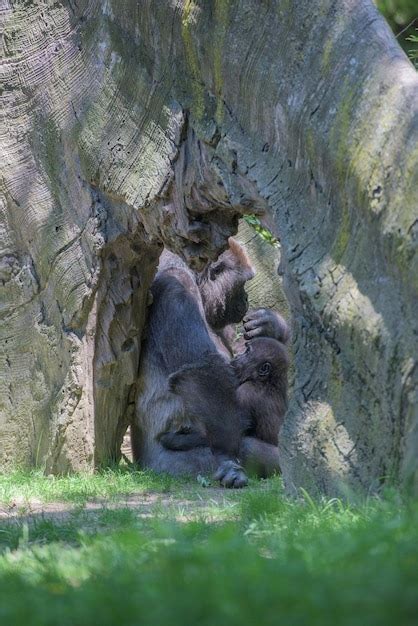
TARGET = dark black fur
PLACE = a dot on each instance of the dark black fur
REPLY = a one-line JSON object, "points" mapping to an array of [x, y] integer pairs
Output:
{"points": [[261, 387], [183, 429], [265, 323], [262, 374], [178, 337]]}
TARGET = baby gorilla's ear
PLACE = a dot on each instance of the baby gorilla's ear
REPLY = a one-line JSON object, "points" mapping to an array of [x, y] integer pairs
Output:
{"points": [[264, 369]]}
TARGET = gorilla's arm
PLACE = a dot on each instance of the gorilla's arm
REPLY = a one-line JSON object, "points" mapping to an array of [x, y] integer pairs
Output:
{"points": [[259, 457], [265, 323], [176, 332], [267, 407]]}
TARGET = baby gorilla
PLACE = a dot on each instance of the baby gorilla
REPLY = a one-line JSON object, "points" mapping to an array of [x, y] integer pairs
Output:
{"points": [[262, 392], [261, 373]]}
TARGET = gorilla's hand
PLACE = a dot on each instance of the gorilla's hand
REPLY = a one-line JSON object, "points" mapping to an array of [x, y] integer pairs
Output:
{"points": [[230, 474], [265, 323]]}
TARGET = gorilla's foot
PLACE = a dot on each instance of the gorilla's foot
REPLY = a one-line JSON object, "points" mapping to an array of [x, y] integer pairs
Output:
{"points": [[230, 474]]}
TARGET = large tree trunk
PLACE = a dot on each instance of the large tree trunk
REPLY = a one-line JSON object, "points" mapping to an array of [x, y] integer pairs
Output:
{"points": [[128, 125]]}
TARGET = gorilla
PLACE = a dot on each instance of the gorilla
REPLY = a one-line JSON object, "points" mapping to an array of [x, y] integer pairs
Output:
{"points": [[262, 393], [261, 373], [188, 327], [262, 376]]}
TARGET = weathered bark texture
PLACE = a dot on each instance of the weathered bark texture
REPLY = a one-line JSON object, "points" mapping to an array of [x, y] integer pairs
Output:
{"points": [[266, 288], [128, 125]]}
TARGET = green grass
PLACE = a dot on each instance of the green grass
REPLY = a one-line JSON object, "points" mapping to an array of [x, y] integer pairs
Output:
{"points": [[191, 555]]}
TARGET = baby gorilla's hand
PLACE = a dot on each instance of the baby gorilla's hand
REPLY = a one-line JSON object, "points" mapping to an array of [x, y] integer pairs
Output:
{"points": [[265, 323]]}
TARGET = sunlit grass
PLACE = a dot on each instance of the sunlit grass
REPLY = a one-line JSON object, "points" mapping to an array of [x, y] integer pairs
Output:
{"points": [[79, 488]]}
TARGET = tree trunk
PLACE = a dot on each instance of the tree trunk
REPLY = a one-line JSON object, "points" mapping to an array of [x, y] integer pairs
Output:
{"points": [[128, 125]]}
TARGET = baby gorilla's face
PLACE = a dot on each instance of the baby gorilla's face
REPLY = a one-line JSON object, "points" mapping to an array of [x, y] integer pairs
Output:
{"points": [[264, 361]]}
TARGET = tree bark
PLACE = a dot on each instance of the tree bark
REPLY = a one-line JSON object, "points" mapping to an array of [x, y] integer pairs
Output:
{"points": [[128, 125]]}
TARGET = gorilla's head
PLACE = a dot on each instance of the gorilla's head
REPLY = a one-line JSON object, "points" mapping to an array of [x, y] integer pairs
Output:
{"points": [[221, 285], [265, 361]]}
